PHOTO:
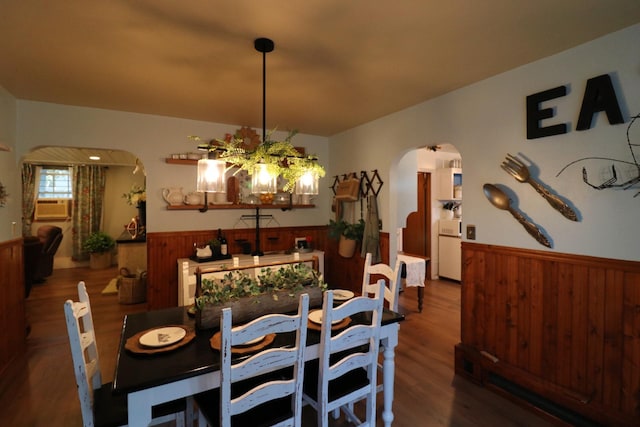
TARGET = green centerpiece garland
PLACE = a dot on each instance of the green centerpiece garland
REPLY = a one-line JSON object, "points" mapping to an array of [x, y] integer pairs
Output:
{"points": [[236, 284]]}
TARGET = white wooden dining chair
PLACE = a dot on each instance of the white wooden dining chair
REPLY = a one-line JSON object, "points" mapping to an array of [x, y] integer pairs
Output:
{"points": [[346, 370], [391, 289], [392, 279], [99, 406], [266, 388]]}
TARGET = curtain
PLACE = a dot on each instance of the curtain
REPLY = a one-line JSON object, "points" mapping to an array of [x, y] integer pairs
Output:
{"points": [[89, 182], [28, 197], [371, 236]]}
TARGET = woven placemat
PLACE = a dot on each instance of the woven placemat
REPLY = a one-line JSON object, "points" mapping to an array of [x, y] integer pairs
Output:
{"points": [[268, 339], [340, 325], [133, 343]]}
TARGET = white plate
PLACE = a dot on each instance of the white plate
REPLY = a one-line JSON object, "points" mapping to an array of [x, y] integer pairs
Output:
{"points": [[162, 337], [316, 317], [342, 294]]}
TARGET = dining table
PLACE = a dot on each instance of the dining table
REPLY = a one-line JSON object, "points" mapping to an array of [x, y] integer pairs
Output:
{"points": [[150, 378]]}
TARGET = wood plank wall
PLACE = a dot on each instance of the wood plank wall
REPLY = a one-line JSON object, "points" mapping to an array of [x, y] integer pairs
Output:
{"points": [[165, 248], [12, 302], [564, 326]]}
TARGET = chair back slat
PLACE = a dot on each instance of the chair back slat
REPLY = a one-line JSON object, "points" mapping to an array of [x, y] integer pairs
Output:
{"points": [[352, 337], [348, 364]]}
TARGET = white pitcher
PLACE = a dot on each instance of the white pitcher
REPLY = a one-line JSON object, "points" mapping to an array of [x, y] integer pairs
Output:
{"points": [[173, 195]]}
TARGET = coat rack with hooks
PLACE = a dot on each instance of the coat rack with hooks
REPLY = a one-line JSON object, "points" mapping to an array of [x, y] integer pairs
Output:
{"points": [[367, 185]]}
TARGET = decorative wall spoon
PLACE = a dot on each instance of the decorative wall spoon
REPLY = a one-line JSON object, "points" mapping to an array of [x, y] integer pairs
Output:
{"points": [[500, 200]]}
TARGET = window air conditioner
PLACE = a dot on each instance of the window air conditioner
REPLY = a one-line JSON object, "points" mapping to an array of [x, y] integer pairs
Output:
{"points": [[51, 209]]}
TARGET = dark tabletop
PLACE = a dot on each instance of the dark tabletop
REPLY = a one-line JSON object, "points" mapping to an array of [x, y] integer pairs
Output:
{"points": [[139, 371], [125, 237]]}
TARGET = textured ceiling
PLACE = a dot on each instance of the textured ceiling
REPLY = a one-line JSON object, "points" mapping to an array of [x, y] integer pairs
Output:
{"points": [[70, 156], [336, 64]]}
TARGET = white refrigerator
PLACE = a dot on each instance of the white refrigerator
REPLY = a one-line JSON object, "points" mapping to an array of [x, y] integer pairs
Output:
{"points": [[450, 249]]}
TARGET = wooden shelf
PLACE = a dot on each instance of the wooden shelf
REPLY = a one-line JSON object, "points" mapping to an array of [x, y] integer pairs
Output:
{"points": [[241, 206], [192, 162]]}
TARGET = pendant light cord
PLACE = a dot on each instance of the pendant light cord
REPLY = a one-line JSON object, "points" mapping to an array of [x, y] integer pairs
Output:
{"points": [[265, 46], [264, 97]]}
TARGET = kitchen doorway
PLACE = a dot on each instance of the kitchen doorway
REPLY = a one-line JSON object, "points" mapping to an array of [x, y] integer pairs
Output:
{"points": [[416, 234], [429, 182]]}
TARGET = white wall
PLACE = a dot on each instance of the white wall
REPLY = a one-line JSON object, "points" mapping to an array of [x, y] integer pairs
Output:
{"points": [[152, 139], [10, 213], [486, 120]]}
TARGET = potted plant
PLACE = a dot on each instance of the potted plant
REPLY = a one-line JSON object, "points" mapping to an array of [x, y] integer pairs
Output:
{"points": [[99, 246], [348, 234], [272, 291], [215, 246], [448, 210]]}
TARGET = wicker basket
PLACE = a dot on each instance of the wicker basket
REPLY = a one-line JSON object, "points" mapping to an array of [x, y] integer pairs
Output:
{"points": [[348, 190], [132, 289]]}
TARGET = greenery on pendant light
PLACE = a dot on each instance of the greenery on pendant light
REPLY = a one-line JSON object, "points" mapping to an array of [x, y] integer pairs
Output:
{"points": [[281, 157]]}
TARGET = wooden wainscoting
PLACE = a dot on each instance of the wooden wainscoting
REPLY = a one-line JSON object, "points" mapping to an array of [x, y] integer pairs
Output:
{"points": [[12, 302], [565, 327], [165, 248], [346, 273]]}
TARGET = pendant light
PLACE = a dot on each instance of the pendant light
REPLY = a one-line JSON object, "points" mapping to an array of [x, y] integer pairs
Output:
{"points": [[262, 180], [307, 185], [210, 176]]}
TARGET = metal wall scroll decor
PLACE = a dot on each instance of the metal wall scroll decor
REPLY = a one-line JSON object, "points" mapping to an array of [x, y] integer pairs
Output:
{"points": [[612, 181]]}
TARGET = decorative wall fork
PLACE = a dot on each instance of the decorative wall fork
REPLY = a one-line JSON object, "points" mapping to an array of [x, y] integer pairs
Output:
{"points": [[514, 167]]}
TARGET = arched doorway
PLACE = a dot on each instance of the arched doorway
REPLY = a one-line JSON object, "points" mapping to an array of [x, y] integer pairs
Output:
{"points": [[420, 205], [124, 170]]}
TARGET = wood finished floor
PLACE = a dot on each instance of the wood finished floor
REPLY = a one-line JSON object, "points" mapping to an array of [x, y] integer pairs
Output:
{"points": [[40, 390]]}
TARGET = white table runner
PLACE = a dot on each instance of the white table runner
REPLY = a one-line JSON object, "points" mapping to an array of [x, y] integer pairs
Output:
{"points": [[416, 269]]}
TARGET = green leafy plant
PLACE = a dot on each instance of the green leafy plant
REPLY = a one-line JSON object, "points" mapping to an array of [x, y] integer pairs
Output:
{"points": [[450, 206], [99, 242], [237, 284], [353, 231]]}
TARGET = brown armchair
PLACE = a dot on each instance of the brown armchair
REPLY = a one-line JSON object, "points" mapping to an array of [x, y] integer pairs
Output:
{"points": [[32, 249], [50, 236]]}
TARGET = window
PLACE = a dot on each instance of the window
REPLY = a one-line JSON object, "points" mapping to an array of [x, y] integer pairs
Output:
{"points": [[54, 183]]}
